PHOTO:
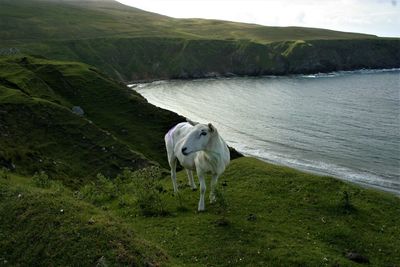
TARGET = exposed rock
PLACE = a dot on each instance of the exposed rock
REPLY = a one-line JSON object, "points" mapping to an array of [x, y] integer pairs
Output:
{"points": [[78, 110], [102, 262], [356, 257], [252, 217]]}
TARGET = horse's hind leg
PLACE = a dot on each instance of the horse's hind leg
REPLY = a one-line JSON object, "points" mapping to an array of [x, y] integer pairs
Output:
{"points": [[214, 181], [172, 164], [201, 205], [191, 180]]}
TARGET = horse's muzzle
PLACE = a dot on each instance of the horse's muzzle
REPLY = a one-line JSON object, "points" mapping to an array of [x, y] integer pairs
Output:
{"points": [[184, 151]]}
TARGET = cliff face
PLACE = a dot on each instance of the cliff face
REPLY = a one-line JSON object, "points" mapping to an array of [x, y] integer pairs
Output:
{"points": [[334, 55], [129, 59]]}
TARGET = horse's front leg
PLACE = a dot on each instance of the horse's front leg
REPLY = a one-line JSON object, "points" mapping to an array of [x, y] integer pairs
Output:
{"points": [[191, 180], [214, 181], [201, 206], [172, 164]]}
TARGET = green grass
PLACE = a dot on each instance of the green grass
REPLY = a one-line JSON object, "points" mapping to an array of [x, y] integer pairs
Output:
{"points": [[279, 217], [51, 227], [271, 216]]}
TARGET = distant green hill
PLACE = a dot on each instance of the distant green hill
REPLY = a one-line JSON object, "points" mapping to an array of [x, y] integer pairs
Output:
{"points": [[28, 20], [131, 44]]}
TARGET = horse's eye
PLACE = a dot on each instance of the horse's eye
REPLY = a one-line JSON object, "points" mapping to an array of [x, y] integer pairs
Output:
{"points": [[203, 133]]}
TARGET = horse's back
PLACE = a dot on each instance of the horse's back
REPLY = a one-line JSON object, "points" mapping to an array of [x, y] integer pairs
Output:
{"points": [[175, 135], [177, 132]]}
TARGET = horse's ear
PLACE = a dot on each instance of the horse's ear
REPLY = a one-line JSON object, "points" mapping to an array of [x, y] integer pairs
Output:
{"points": [[211, 127], [193, 123]]}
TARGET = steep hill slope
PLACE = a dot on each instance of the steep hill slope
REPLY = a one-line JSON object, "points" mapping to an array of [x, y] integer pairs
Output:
{"points": [[39, 131], [50, 227], [131, 44]]}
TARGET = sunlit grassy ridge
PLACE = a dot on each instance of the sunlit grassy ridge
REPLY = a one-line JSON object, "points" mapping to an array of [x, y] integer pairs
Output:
{"points": [[68, 20], [131, 44]]}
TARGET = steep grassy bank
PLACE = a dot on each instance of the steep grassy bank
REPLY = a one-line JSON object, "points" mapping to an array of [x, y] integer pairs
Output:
{"points": [[39, 131], [131, 44]]}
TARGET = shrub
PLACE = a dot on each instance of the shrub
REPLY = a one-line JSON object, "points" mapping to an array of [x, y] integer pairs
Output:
{"points": [[181, 202], [147, 189], [346, 204], [221, 206], [100, 191], [41, 180], [4, 173]]}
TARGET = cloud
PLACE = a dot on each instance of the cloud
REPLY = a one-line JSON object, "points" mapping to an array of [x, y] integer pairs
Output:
{"points": [[300, 17]]}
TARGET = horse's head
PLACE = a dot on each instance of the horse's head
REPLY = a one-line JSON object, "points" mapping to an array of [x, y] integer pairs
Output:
{"points": [[198, 138]]}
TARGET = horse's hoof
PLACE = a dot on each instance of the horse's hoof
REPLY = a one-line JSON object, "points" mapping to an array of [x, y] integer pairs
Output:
{"points": [[213, 199], [201, 208]]}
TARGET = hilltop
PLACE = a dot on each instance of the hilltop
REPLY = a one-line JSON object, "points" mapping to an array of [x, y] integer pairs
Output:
{"points": [[132, 44], [45, 20]]}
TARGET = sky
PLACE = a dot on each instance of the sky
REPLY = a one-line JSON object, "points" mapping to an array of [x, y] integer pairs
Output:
{"points": [[379, 17]]}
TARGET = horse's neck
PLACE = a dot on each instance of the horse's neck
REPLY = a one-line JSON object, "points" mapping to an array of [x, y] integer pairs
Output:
{"points": [[216, 147]]}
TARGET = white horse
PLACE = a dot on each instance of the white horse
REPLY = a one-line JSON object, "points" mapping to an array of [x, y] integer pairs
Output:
{"points": [[197, 147]]}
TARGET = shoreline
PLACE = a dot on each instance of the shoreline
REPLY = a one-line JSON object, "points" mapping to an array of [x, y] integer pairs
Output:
{"points": [[131, 84]]}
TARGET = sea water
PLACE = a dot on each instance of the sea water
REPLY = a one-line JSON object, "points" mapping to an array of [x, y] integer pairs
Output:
{"points": [[344, 124]]}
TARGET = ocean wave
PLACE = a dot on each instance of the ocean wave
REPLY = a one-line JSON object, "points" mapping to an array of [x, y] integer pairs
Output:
{"points": [[346, 72]]}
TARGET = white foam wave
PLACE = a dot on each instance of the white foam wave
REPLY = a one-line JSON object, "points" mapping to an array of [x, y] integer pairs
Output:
{"points": [[341, 73]]}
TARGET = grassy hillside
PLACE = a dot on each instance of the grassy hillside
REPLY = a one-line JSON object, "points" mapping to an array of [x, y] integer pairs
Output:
{"points": [[276, 216], [131, 44], [40, 132], [50, 227], [266, 215]]}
